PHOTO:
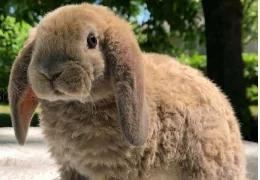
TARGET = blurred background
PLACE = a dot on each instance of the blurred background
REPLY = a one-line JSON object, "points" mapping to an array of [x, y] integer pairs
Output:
{"points": [[218, 37]]}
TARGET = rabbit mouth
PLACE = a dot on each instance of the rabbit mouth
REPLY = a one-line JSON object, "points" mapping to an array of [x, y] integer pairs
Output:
{"points": [[58, 93], [55, 90]]}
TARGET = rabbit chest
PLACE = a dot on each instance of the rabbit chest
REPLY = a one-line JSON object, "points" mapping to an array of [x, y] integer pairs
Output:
{"points": [[88, 138]]}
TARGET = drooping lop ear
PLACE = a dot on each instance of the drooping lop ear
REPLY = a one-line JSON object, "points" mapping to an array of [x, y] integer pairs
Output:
{"points": [[126, 69], [22, 100]]}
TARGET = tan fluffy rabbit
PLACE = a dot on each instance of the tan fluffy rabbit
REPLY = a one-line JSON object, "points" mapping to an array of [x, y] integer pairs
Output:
{"points": [[111, 112]]}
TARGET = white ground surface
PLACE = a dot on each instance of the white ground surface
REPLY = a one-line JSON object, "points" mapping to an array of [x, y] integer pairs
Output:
{"points": [[32, 161], [28, 162]]}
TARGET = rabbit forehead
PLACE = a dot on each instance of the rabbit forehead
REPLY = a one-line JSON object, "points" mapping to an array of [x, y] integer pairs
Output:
{"points": [[72, 20]]}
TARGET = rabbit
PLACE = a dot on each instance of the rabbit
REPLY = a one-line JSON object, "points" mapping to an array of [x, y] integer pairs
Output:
{"points": [[110, 111]]}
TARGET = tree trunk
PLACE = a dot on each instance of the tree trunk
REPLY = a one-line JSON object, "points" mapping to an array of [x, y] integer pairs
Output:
{"points": [[224, 56]]}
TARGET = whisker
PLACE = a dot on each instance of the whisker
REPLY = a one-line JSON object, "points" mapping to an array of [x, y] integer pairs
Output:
{"points": [[93, 102]]}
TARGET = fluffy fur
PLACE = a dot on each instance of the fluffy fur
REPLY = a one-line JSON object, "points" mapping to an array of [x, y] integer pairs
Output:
{"points": [[115, 112]]}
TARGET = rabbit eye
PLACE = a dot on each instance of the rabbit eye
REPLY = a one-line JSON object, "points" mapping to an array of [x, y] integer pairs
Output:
{"points": [[92, 41]]}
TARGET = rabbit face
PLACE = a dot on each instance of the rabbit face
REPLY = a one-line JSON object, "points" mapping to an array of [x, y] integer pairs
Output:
{"points": [[81, 53], [67, 62]]}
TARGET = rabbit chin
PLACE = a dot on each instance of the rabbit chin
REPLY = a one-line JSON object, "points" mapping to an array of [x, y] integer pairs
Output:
{"points": [[84, 97], [47, 92], [57, 96]]}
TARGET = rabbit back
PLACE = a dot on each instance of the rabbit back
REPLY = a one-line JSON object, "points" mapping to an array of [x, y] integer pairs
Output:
{"points": [[196, 123]]}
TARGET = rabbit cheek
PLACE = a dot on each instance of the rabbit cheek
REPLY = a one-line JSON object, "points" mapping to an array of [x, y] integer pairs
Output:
{"points": [[39, 82]]}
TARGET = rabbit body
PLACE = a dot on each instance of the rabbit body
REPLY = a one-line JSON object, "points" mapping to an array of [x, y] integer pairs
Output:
{"points": [[110, 111], [192, 130]]}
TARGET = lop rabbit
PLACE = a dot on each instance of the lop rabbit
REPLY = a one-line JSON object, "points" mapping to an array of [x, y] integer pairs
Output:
{"points": [[112, 112]]}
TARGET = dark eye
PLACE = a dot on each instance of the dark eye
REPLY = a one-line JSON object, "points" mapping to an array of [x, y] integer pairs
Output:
{"points": [[92, 41]]}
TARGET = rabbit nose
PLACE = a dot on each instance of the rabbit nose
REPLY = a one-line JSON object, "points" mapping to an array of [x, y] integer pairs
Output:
{"points": [[50, 65]]}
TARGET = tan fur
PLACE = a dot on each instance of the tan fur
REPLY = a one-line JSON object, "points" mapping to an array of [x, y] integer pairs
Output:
{"points": [[192, 131]]}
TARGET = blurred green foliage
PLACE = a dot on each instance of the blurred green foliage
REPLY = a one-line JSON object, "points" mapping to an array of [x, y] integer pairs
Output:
{"points": [[160, 21], [12, 36], [249, 23], [251, 76]]}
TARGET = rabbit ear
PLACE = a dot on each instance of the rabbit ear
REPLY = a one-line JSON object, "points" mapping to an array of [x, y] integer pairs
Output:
{"points": [[126, 70], [22, 99]]}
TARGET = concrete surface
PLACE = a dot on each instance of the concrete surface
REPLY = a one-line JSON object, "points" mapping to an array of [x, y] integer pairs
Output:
{"points": [[28, 162], [32, 161], [251, 151]]}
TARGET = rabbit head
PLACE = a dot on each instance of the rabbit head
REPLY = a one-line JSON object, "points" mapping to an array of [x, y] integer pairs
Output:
{"points": [[80, 53]]}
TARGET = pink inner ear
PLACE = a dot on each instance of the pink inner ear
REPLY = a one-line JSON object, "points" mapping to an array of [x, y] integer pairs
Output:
{"points": [[27, 105]]}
